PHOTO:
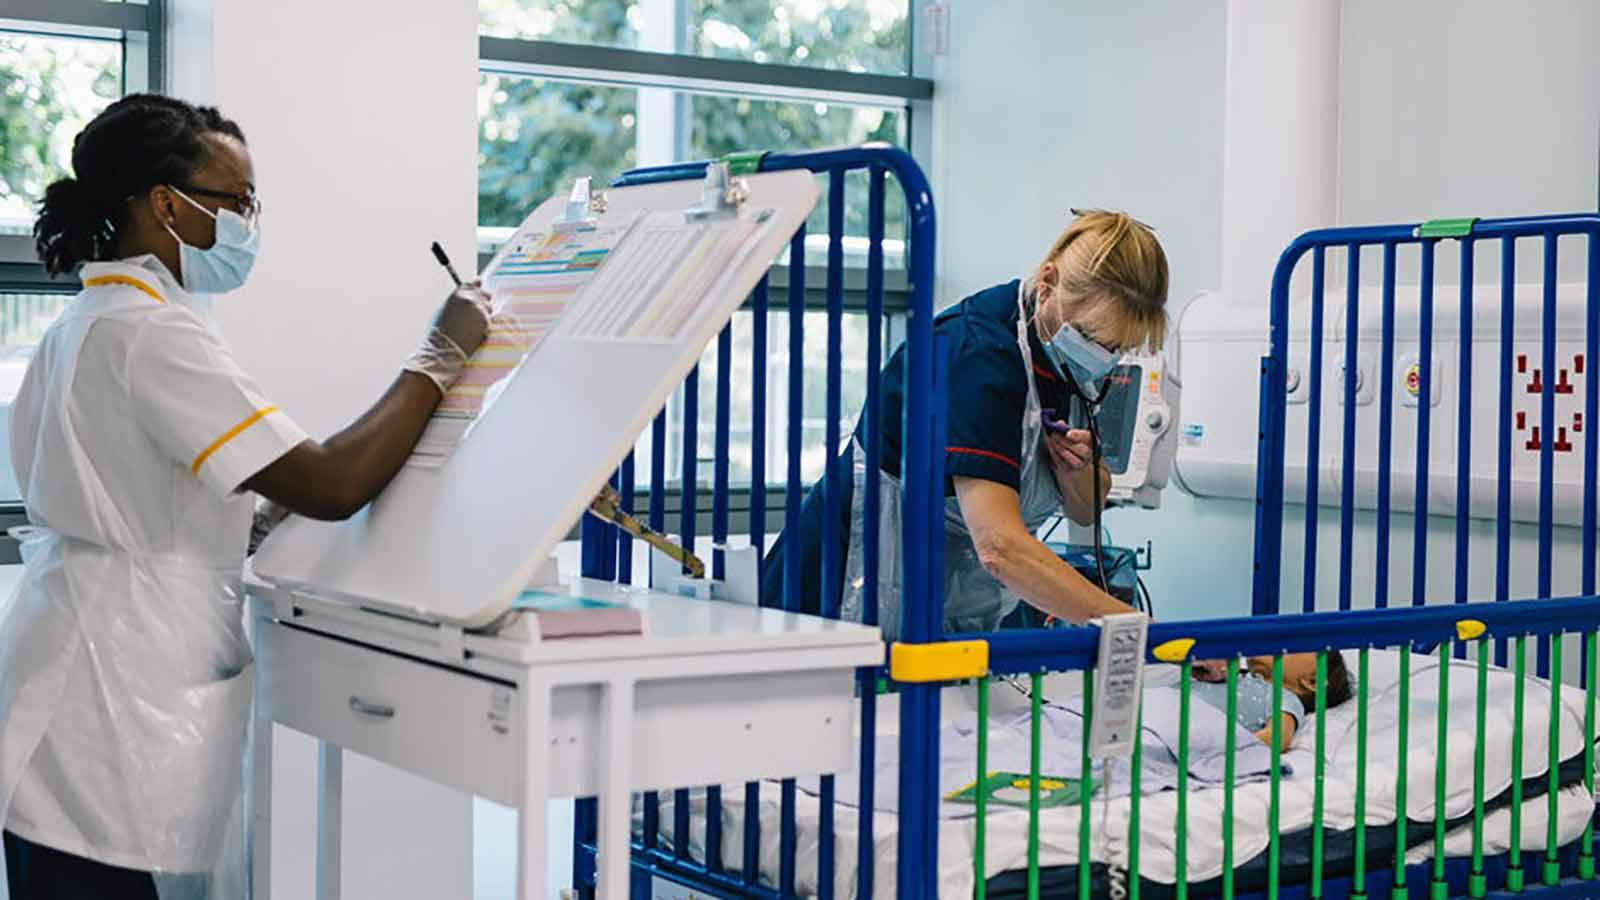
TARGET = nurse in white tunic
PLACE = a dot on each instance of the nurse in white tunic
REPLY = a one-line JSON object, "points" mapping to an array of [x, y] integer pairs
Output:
{"points": [[138, 443]]}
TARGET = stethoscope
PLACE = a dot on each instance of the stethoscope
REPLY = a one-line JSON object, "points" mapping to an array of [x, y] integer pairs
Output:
{"points": [[1088, 408]]}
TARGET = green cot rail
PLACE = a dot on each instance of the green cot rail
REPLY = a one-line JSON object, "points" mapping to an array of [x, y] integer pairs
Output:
{"points": [[1128, 861]]}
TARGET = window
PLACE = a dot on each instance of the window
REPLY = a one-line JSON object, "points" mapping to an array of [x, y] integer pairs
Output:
{"points": [[54, 86], [23, 319], [850, 35], [58, 70], [595, 87], [535, 135], [55, 75], [606, 23], [814, 412], [719, 125]]}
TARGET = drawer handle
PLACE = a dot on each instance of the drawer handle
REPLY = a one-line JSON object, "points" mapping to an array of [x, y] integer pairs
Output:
{"points": [[375, 710]]}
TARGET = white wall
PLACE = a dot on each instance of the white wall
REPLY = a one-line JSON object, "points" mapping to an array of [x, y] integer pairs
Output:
{"points": [[1044, 106], [1450, 109], [1460, 108], [1456, 109], [361, 120], [1445, 109], [1468, 108]]}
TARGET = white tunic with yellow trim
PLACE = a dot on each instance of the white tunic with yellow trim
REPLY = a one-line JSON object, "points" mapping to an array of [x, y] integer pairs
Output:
{"points": [[124, 674]]}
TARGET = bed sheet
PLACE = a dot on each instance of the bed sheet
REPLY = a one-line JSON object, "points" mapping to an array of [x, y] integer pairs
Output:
{"points": [[1059, 828]]}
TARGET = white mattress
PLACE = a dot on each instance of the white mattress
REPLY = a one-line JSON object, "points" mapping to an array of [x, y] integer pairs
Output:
{"points": [[1007, 828]]}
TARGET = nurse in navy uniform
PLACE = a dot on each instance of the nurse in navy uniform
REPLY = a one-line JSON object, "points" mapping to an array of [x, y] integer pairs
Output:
{"points": [[1044, 342]]}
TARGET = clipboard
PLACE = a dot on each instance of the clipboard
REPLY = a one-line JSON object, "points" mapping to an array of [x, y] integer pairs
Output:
{"points": [[457, 543]]}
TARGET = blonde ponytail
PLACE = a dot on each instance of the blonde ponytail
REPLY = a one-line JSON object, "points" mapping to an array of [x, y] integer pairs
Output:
{"points": [[1110, 280]]}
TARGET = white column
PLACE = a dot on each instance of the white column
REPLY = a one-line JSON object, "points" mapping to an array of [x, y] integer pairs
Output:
{"points": [[362, 124], [659, 139], [1280, 135], [363, 127], [191, 70]]}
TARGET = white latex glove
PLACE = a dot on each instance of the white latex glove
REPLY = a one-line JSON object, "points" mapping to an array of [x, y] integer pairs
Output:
{"points": [[458, 330]]}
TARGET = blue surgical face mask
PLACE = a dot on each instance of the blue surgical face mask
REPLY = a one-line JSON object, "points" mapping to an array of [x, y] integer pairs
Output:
{"points": [[1086, 361], [225, 265]]}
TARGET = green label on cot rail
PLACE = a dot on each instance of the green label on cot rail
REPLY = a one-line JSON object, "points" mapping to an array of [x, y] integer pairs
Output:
{"points": [[744, 162], [1446, 228], [1011, 789]]}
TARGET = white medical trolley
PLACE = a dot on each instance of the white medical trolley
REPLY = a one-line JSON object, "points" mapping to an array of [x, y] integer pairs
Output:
{"points": [[392, 635], [714, 692]]}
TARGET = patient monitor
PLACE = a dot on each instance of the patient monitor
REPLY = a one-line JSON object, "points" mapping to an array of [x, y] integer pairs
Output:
{"points": [[1137, 421]]}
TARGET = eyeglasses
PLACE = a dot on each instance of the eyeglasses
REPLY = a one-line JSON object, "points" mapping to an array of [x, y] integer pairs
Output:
{"points": [[247, 204]]}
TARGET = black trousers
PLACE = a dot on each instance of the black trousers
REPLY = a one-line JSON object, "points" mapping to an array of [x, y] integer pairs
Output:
{"points": [[40, 873]]}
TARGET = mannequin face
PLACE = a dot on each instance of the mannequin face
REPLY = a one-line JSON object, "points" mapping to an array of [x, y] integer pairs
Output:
{"points": [[1299, 671]]}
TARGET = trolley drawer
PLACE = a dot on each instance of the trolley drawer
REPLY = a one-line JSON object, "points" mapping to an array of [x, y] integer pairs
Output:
{"points": [[455, 728]]}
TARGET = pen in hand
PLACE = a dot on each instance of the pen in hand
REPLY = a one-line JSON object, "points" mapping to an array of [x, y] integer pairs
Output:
{"points": [[438, 253]]}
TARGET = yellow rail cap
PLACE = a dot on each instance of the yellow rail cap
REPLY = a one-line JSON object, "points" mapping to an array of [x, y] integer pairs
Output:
{"points": [[1470, 629], [1174, 651], [939, 661]]}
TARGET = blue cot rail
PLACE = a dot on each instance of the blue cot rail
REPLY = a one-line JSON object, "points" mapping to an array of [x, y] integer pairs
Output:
{"points": [[1273, 405], [606, 552]]}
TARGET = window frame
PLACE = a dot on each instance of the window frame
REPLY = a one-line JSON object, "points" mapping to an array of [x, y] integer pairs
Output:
{"points": [[141, 28], [143, 33], [684, 71]]}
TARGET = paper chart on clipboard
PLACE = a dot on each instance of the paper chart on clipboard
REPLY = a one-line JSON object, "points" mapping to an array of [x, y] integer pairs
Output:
{"points": [[533, 279], [652, 288]]}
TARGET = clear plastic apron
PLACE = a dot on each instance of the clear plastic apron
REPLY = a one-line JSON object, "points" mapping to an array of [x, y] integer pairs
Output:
{"points": [[974, 600], [154, 764]]}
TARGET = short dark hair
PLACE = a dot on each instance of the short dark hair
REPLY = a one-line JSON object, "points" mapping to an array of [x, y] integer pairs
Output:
{"points": [[138, 142], [1336, 689]]}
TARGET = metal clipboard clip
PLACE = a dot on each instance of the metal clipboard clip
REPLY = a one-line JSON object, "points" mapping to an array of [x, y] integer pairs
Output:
{"points": [[721, 196], [584, 207], [608, 508]]}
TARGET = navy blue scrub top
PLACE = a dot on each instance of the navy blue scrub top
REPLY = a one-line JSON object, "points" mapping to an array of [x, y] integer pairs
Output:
{"points": [[988, 390]]}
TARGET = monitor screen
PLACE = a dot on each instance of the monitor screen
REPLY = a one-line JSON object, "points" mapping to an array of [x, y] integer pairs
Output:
{"points": [[1118, 415]]}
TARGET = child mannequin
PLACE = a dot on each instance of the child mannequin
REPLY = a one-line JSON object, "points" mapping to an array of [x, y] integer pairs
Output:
{"points": [[1253, 705]]}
